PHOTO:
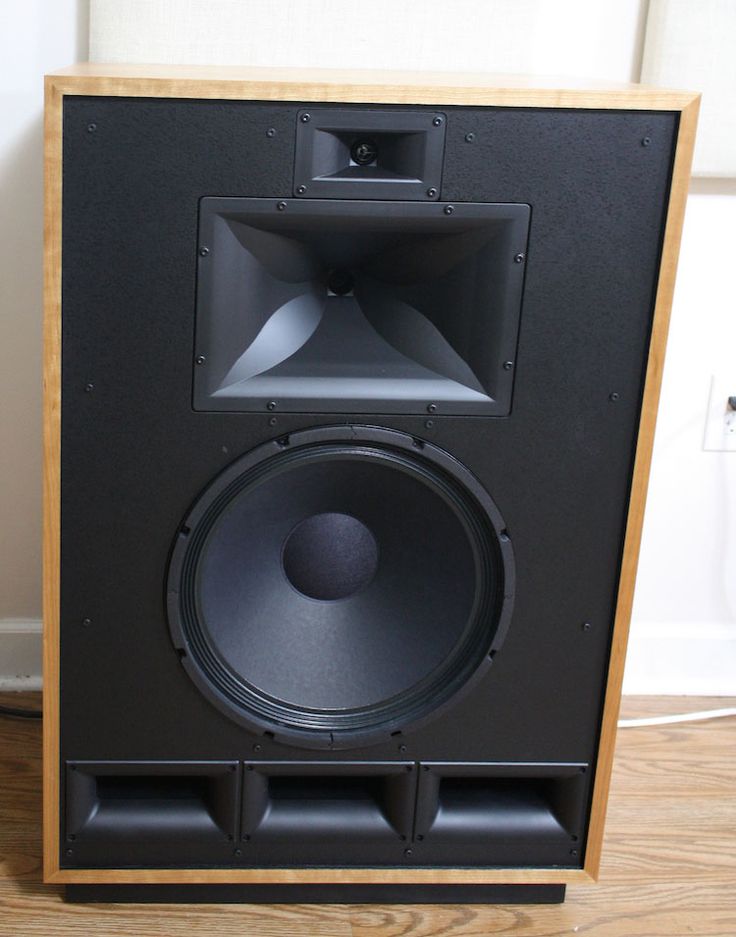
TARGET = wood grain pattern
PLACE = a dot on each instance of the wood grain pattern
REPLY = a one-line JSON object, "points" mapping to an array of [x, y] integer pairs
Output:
{"points": [[363, 87], [669, 859]]}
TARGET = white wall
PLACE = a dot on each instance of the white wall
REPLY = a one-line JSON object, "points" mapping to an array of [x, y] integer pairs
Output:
{"points": [[684, 629], [36, 36]]}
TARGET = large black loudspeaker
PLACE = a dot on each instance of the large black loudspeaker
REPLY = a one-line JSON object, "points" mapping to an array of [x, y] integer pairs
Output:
{"points": [[352, 410]]}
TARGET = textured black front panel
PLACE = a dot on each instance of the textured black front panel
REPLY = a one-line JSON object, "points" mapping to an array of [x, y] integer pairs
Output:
{"points": [[135, 456]]}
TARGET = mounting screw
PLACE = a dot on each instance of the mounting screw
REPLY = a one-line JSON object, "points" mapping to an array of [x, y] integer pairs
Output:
{"points": [[246, 837], [429, 424], [402, 748], [200, 359], [91, 128], [431, 191], [437, 122], [237, 852], [256, 747], [508, 365], [586, 626], [71, 837], [449, 209], [305, 118], [301, 189], [272, 421], [431, 408], [70, 852], [613, 396], [469, 137], [271, 405], [281, 206], [203, 251], [86, 622], [270, 132], [408, 853], [420, 837], [519, 258], [88, 388], [573, 852], [646, 141]]}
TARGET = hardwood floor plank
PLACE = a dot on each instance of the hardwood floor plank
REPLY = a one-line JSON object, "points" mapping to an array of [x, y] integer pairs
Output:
{"points": [[669, 858]]}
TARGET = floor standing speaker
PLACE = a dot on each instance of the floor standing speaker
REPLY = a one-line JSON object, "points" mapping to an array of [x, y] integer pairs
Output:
{"points": [[350, 389]]}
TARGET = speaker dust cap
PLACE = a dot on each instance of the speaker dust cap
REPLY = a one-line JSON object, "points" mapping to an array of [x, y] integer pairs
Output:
{"points": [[340, 584]]}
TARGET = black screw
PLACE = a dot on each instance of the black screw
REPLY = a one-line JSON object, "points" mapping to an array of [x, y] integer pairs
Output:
{"points": [[646, 141], [429, 424], [402, 748], [408, 853], [508, 365], [203, 251], [271, 405], [431, 408], [71, 837], [519, 259], [449, 209], [70, 852], [301, 189], [469, 137], [91, 128], [573, 852], [246, 838], [420, 837], [272, 421], [88, 388], [238, 852], [200, 359], [431, 192], [256, 747], [270, 132], [86, 622], [587, 626], [437, 122], [305, 118], [281, 206], [613, 396]]}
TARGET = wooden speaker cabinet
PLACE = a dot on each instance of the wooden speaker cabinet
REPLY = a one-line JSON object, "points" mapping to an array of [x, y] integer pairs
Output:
{"points": [[350, 391]]}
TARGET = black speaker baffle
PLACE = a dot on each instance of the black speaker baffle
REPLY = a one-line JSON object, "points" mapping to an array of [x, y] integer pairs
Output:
{"points": [[340, 584]]}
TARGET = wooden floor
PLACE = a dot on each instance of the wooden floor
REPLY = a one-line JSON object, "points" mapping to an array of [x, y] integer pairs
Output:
{"points": [[669, 865]]}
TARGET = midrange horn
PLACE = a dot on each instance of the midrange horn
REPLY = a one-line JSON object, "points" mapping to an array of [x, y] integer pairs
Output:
{"points": [[340, 584]]}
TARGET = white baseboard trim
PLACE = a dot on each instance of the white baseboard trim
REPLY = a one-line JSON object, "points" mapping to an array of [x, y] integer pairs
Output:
{"points": [[664, 658], [20, 654], [684, 658]]}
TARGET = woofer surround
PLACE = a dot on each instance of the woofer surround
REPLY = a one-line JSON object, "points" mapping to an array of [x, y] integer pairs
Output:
{"points": [[340, 584]]}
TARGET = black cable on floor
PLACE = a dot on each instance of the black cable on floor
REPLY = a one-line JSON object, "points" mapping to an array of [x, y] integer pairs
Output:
{"points": [[20, 713]]}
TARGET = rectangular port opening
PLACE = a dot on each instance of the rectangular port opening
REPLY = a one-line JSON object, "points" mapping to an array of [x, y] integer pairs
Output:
{"points": [[113, 802], [469, 803], [305, 803]]}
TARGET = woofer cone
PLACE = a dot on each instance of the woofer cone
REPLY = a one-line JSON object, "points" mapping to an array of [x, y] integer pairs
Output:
{"points": [[340, 585]]}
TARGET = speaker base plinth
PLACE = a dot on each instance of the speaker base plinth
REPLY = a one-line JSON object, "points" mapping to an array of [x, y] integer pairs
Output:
{"points": [[319, 894]]}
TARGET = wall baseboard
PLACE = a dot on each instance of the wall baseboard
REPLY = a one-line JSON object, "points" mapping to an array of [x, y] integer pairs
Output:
{"points": [[681, 658], [664, 658], [20, 654]]}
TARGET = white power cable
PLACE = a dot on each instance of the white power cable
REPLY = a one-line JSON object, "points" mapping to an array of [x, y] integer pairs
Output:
{"points": [[679, 717]]}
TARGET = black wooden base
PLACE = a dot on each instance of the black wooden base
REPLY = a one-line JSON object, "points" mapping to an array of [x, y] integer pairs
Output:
{"points": [[320, 894]]}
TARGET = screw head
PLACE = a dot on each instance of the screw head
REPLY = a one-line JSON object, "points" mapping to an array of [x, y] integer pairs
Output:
{"points": [[305, 118], [91, 128], [402, 748], [573, 852], [646, 141], [86, 622], [431, 408], [281, 206], [408, 852], [469, 137], [614, 396], [271, 405], [431, 191], [449, 209], [88, 388], [256, 747], [437, 122], [203, 251], [301, 189], [70, 852], [200, 359], [586, 626], [508, 365], [237, 852], [429, 424], [270, 132], [519, 258], [272, 421]]}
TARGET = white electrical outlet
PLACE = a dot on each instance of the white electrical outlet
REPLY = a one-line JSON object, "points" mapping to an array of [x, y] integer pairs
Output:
{"points": [[720, 421]]}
